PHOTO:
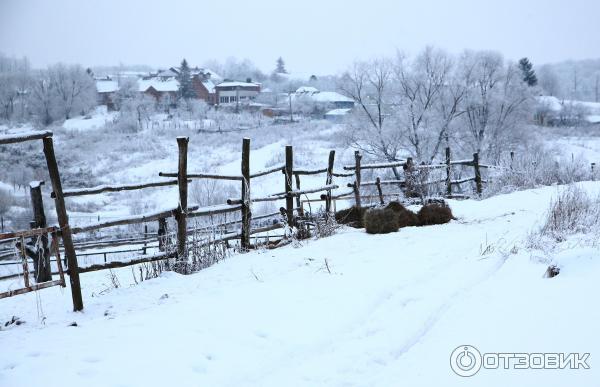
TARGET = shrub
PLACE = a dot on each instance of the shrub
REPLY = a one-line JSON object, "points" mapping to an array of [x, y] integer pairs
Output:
{"points": [[406, 217], [352, 217], [574, 211], [381, 221], [434, 213]]}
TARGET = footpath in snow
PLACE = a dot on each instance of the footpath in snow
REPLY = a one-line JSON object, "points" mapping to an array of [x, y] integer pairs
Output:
{"points": [[349, 310]]}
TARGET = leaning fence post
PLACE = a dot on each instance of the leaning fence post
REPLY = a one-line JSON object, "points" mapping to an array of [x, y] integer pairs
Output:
{"points": [[63, 222], [329, 180], [357, 171], [43, 270], [379, 191], [477, 173], [181, 213], [246, 214], [448, 173], [289, 171]]}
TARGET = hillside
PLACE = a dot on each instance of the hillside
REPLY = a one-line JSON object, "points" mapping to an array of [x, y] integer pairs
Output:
{"points": [[349, 310]]}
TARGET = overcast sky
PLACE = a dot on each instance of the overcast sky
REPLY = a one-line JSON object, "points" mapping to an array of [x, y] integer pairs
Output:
{"points": [[313, 36]]}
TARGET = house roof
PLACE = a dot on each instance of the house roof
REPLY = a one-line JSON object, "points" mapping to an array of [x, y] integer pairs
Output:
{"points": [[338, 112], [307, 89], [235, 84], [210, 86], [106, 86], [330, 96], [158, 85]]}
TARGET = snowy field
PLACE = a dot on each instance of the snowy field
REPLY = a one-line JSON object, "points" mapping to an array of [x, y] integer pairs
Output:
{"points": [[349, 310]]}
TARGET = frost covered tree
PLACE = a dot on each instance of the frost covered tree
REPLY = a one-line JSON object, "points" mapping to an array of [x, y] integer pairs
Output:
{"points": [[416, 107], [42, 98], [497, 102], [186, 90], [280, 66], [405, 107], [74, 89], [15, 81], [527, 71]]}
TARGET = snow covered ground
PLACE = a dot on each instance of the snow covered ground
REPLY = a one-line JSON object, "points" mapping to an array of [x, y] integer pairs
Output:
{"points": [[349, 310]]}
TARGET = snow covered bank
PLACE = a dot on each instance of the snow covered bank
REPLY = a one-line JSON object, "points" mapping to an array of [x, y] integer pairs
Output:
{"points": [[349, 310]]}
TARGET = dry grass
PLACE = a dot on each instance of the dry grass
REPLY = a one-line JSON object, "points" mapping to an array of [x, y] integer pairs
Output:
{"points": [[434, 213], [381, 221]]}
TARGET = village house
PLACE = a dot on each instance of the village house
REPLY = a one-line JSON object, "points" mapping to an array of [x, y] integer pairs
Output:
{"points": [[106, 89], [234, 92]]}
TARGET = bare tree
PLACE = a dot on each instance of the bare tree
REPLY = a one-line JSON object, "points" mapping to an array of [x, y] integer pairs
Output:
{"points": [[372, 126], [43, 103], [496, 101], [74, 87]]}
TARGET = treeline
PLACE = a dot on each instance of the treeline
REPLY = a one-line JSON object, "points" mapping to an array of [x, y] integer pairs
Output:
{"points": [[473, 102], [572, 80], [57, 92]]}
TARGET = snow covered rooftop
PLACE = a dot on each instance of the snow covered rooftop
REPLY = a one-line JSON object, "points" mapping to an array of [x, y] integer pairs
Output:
{"points": [[237, 84], [307, 89], [210, 86], [107, 86], [158, 85], [330, 96], [338, 112]]}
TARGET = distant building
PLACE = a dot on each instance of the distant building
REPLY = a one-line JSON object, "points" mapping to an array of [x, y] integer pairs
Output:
{"points": [[159, 88], [233, 92], [337, 115], [324, 99], [106, 89]]}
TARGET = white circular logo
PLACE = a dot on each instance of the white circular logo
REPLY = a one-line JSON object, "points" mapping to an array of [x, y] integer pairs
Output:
{"points": [[465, 360]]}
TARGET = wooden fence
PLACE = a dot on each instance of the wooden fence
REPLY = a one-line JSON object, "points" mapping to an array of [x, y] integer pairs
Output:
{"points": [[291, 196]]}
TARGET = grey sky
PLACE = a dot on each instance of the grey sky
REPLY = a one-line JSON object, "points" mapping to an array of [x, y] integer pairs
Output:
{"points": [[313, 36]]}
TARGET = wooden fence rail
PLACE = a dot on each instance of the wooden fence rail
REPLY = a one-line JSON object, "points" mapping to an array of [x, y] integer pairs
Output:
{"points": [[292, 191]]}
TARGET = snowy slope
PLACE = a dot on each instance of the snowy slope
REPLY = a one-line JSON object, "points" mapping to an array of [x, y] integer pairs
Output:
{"points": [[388, 312]]}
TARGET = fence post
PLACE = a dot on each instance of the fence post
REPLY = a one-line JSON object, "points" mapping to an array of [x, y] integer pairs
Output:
{"points": [[162, 232], [145, 236], [289, 171], [180, 215], [63, 222], [246, 214], [328, 181], [379, 191], [357, 159], [477, 173], [298, 199], [593, 166], [448, 173], [43, 270], [512, 159], [409, 178]]}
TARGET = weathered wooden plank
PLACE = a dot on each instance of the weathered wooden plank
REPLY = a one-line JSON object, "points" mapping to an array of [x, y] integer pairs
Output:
{"points": [[63, 222], [114, 188], [202, 176], [23, 137], [134, 219], [31, 288], [136, 261], [279, 168]]}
